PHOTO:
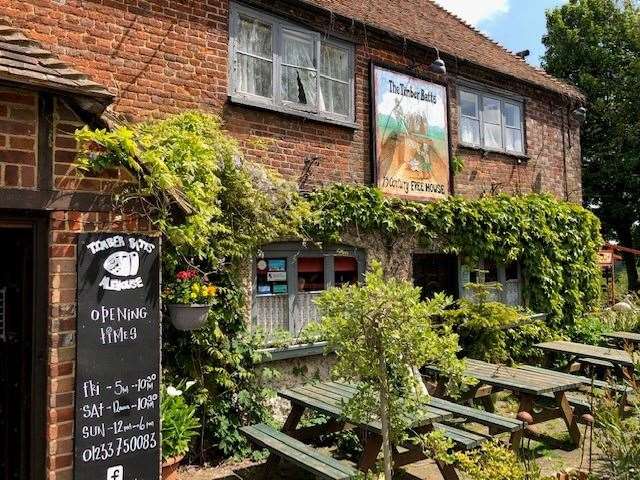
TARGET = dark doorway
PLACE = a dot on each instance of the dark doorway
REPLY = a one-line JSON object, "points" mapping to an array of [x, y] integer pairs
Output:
{"points": [[22, 391], [435, 272]]}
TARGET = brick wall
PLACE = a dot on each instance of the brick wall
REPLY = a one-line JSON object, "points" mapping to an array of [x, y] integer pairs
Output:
{"points": [[64, 228], [162, 56], [18, 138]]}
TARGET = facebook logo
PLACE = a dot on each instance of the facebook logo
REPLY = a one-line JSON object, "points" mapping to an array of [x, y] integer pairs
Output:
{"points": [[115, 473]]}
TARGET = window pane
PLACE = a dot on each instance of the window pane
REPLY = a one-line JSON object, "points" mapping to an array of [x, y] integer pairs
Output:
{"points": [[310, 274], [491, 111], [512, 115], [511, 271], [513, 140], [492, 136], [334, 62], [255, 76], [299, 85], [470, 131], [346, 271], [255, 37], [469, 104], [334, 96], [491, 271], [271, 276], [298, 49]]}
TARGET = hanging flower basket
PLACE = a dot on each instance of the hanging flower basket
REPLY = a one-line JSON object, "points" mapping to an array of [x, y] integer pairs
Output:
{"points": [[188, 317], [188, 299]]}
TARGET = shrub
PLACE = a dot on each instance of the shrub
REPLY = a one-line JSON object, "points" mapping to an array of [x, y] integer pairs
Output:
{"points": [[179, 422], [589, 330], [618, 437]]}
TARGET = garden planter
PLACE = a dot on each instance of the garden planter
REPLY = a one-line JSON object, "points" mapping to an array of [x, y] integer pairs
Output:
{"points": [[170, 468], [188, 317]]}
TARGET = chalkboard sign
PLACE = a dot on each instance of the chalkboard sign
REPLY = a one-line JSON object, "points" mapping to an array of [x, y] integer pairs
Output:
{"points": [[117, 415]]}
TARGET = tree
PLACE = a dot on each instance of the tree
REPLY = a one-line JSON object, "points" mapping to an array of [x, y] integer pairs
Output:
{"points": [[595, 44], [381, 331]]}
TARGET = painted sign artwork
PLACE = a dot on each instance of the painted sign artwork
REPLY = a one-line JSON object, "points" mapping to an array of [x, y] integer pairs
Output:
{"points": [[411, 139], [117, 424]]}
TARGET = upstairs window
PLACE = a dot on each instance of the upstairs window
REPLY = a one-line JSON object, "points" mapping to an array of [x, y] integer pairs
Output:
{"points": [[491, 122], [279, 65]]}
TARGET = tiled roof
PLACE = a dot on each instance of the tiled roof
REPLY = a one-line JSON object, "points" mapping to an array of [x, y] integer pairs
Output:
{"points": [[25, 61], [426, 23]]}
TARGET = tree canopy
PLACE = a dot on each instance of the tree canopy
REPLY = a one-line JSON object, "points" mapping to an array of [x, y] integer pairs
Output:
{"points": [[595, 44]]}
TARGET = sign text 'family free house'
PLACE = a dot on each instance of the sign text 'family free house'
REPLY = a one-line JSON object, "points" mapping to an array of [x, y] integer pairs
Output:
{"points": [[117, 417]]}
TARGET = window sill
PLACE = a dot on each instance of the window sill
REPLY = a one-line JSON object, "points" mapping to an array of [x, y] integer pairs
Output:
{"points": [[242, 100], [293, 351], [521, 157]]}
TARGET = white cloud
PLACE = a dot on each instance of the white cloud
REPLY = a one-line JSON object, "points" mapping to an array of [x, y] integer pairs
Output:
{"points": [[475, 11]]}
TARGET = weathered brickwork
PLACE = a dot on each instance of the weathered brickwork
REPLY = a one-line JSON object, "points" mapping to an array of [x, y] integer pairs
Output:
{"points": [[162, 56], [18, 138]]}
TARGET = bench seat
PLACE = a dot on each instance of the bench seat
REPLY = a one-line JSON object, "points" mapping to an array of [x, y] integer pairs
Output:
{"points": [[296, 452], [462, 438], [492, 420]]}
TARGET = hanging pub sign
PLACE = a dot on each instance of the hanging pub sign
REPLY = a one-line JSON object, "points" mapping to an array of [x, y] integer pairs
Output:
{"points": [[117, 415], [411, 153]]}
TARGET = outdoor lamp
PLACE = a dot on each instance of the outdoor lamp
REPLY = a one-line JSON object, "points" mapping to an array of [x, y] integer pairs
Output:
{"points": [[438, 65]]}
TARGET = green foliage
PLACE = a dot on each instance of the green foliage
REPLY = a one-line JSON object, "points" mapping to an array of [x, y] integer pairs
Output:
{"points": [[618, 437], [226, 360], [589, 330], [214, 210], [380, 332], [481, 324], [556, 242], [179, 422], [188, 162], [492, 461], [595, 44]]}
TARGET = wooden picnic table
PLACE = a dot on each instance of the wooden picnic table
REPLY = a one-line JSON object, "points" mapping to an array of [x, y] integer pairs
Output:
{"points": [[620, 359], [532, 387], [329, 399]]}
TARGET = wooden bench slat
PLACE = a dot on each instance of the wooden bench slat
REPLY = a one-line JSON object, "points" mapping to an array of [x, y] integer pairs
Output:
{"points": [[298, 453], [585, 380], [349, 391], [487, 419], [462, 438], [617, 356]]}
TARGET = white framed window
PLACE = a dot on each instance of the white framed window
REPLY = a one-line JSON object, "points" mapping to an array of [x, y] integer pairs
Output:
{"points": [[278, 65], [491, 121], [288, 277]]}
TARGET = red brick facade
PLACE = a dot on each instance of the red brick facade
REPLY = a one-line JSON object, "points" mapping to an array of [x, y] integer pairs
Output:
{"points": [[163, 56]]}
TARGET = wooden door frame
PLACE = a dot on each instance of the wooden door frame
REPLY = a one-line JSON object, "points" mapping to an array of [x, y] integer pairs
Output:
{"points": [[39, 225]]}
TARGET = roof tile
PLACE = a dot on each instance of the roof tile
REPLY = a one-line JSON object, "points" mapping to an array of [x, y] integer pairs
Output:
{"points": [[426, 23], [24, 60]]}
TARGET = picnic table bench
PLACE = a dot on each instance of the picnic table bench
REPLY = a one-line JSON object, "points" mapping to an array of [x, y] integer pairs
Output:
{"points": [[531, 387], [620, 359], [329, 399], [627, 338]]}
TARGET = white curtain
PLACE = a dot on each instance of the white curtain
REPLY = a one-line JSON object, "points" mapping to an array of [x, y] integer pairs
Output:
{"points": [[255, 54], [299, 74]]}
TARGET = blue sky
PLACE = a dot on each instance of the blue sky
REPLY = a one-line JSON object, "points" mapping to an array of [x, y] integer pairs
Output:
{"points": [[516, 24]]}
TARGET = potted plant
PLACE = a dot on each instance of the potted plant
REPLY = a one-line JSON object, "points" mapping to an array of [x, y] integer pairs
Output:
{"points": [[179, 426], [189, 298]]}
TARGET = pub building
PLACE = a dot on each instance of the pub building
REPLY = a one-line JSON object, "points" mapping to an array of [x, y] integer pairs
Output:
{"points": [[338, 91]]}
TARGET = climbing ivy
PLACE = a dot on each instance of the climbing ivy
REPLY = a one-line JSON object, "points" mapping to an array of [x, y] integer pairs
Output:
{"points": [[555, 242]]}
